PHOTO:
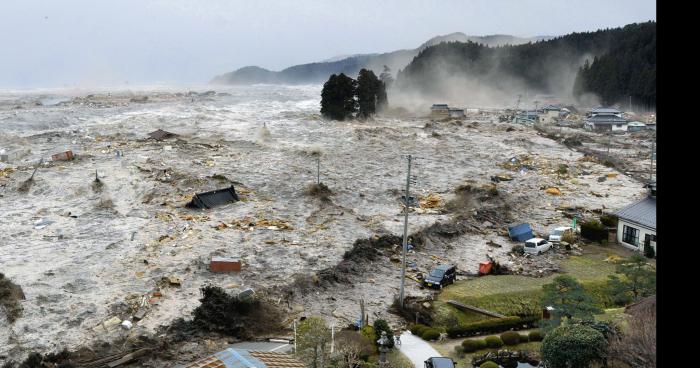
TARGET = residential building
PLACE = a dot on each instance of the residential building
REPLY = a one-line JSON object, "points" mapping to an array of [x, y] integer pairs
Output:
{"points": [[439, 111], [527, 117], [636, 225], [243, 358], [457, 113], [550, 114], [605, 119], [636, 126]]}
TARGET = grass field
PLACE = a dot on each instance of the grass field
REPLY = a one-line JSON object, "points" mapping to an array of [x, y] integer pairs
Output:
{"points": [[519, 295]]}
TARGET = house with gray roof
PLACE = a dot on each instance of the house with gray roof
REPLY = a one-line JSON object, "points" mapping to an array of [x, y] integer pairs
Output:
{"points": [[636, 225]]}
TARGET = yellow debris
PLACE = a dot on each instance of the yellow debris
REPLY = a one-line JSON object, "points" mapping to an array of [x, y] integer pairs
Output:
{"points": [[553, 191], [612, 175], [6, 171], [430, 201]]}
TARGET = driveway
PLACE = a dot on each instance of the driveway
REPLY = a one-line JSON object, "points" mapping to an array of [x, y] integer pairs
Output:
{"points": [[416, 349]]}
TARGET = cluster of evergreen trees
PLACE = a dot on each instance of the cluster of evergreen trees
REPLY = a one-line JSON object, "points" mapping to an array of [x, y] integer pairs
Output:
{"points": [[626, 70], [343, 97], [624, 64]]}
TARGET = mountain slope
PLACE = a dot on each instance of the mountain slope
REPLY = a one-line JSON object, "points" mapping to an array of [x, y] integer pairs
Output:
{"points": [[475, 73], [319, 72]]}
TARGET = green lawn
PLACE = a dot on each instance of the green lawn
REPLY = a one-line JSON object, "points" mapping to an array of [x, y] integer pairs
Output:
{"points": [[519, 295]]}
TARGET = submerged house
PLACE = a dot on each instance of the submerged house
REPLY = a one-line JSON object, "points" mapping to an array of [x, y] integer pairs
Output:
{"points": [[527, 117], [160, 135], [605, 119], [550, 114], [439, 111], [636, 225], [457, 113]]}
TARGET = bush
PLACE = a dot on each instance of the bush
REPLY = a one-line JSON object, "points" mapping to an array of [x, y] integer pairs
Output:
{"points": [[649, 251], [535, 335], [470, 345], [594, 230], [524, 338], [569, 237], [417, 329], [510, 338], [489, 364], [430, 334], [459, 350], [493, 341], [481, 344], [368, 332], [573, 346], [491, 325], [609, 220]]}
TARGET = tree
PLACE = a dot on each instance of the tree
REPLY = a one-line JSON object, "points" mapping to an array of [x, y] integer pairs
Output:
{"points": [[573, 346], [352, 348], [370, 90], [381, 325], [638, 280], [386, 77], [338, 97], [569, 299], [313, 344], [637, 345]]}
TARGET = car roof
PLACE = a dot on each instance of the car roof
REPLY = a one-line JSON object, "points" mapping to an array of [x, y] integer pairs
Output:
{"points": [[442, 362], [444, 267], [534, 240]]}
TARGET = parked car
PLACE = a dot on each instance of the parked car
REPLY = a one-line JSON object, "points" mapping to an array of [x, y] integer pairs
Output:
{"points": [[556, 234], [537, 246], [440, 276], [439, 362]]}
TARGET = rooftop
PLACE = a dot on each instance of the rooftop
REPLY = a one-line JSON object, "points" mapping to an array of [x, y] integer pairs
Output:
{"points": [[606, 119], [605, 110], [239, 358], [642, 212]]}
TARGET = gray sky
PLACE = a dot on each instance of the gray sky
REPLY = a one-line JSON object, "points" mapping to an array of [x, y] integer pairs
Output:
{"points": [[109, 42]]}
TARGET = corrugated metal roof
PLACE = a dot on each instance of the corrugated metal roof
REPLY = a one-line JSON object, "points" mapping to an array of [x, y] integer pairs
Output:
{"points": [[642, 212]]}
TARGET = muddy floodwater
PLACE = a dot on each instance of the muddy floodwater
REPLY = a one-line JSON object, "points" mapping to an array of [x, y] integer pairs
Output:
{"points": [[88, 255]]}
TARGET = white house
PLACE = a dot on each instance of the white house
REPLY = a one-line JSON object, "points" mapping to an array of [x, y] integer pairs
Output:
{"points": [[606, 119], [550, 114], [457, 113], [439, 111], [636, 223]]}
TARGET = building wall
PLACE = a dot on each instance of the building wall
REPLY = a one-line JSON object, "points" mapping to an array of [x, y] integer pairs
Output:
{"points": [[622, 127], [642, 234]]}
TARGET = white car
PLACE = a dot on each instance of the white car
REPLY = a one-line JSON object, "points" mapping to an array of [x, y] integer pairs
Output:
{"points": [[556, 234], [537, 246]]}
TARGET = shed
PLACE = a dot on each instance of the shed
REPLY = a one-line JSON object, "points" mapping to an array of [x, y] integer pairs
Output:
{"points": [[213, 198], [520, 232]]}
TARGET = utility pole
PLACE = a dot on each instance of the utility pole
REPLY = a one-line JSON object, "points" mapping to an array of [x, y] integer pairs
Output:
{"points": [[295, 337], [405, 230], [609, 141], [630, 103], [651, 161]]}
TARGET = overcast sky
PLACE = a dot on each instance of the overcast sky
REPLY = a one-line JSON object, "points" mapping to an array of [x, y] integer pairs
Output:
{"points": [[110, 42]]}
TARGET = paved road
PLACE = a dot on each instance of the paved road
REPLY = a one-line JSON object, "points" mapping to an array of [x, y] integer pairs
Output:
{"points": [[416, 349]]}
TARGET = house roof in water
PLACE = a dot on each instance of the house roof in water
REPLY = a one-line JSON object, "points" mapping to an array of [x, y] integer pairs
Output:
{"points": [[439, 107], [240, 358], [161, 134], [213, 198], [551, 108], [642, 212]]}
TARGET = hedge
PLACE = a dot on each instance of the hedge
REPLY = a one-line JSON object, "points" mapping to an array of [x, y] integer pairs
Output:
{"points": [[492, 325], [470, 346], [524, 338], [417, 329]]}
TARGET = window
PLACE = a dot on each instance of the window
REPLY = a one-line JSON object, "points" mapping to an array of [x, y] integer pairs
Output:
{"points": [[630, 235]]}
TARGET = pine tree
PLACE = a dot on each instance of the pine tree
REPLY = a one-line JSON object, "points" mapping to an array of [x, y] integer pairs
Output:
{"points": [[338, 97], [369, 88], [569, 299]]}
